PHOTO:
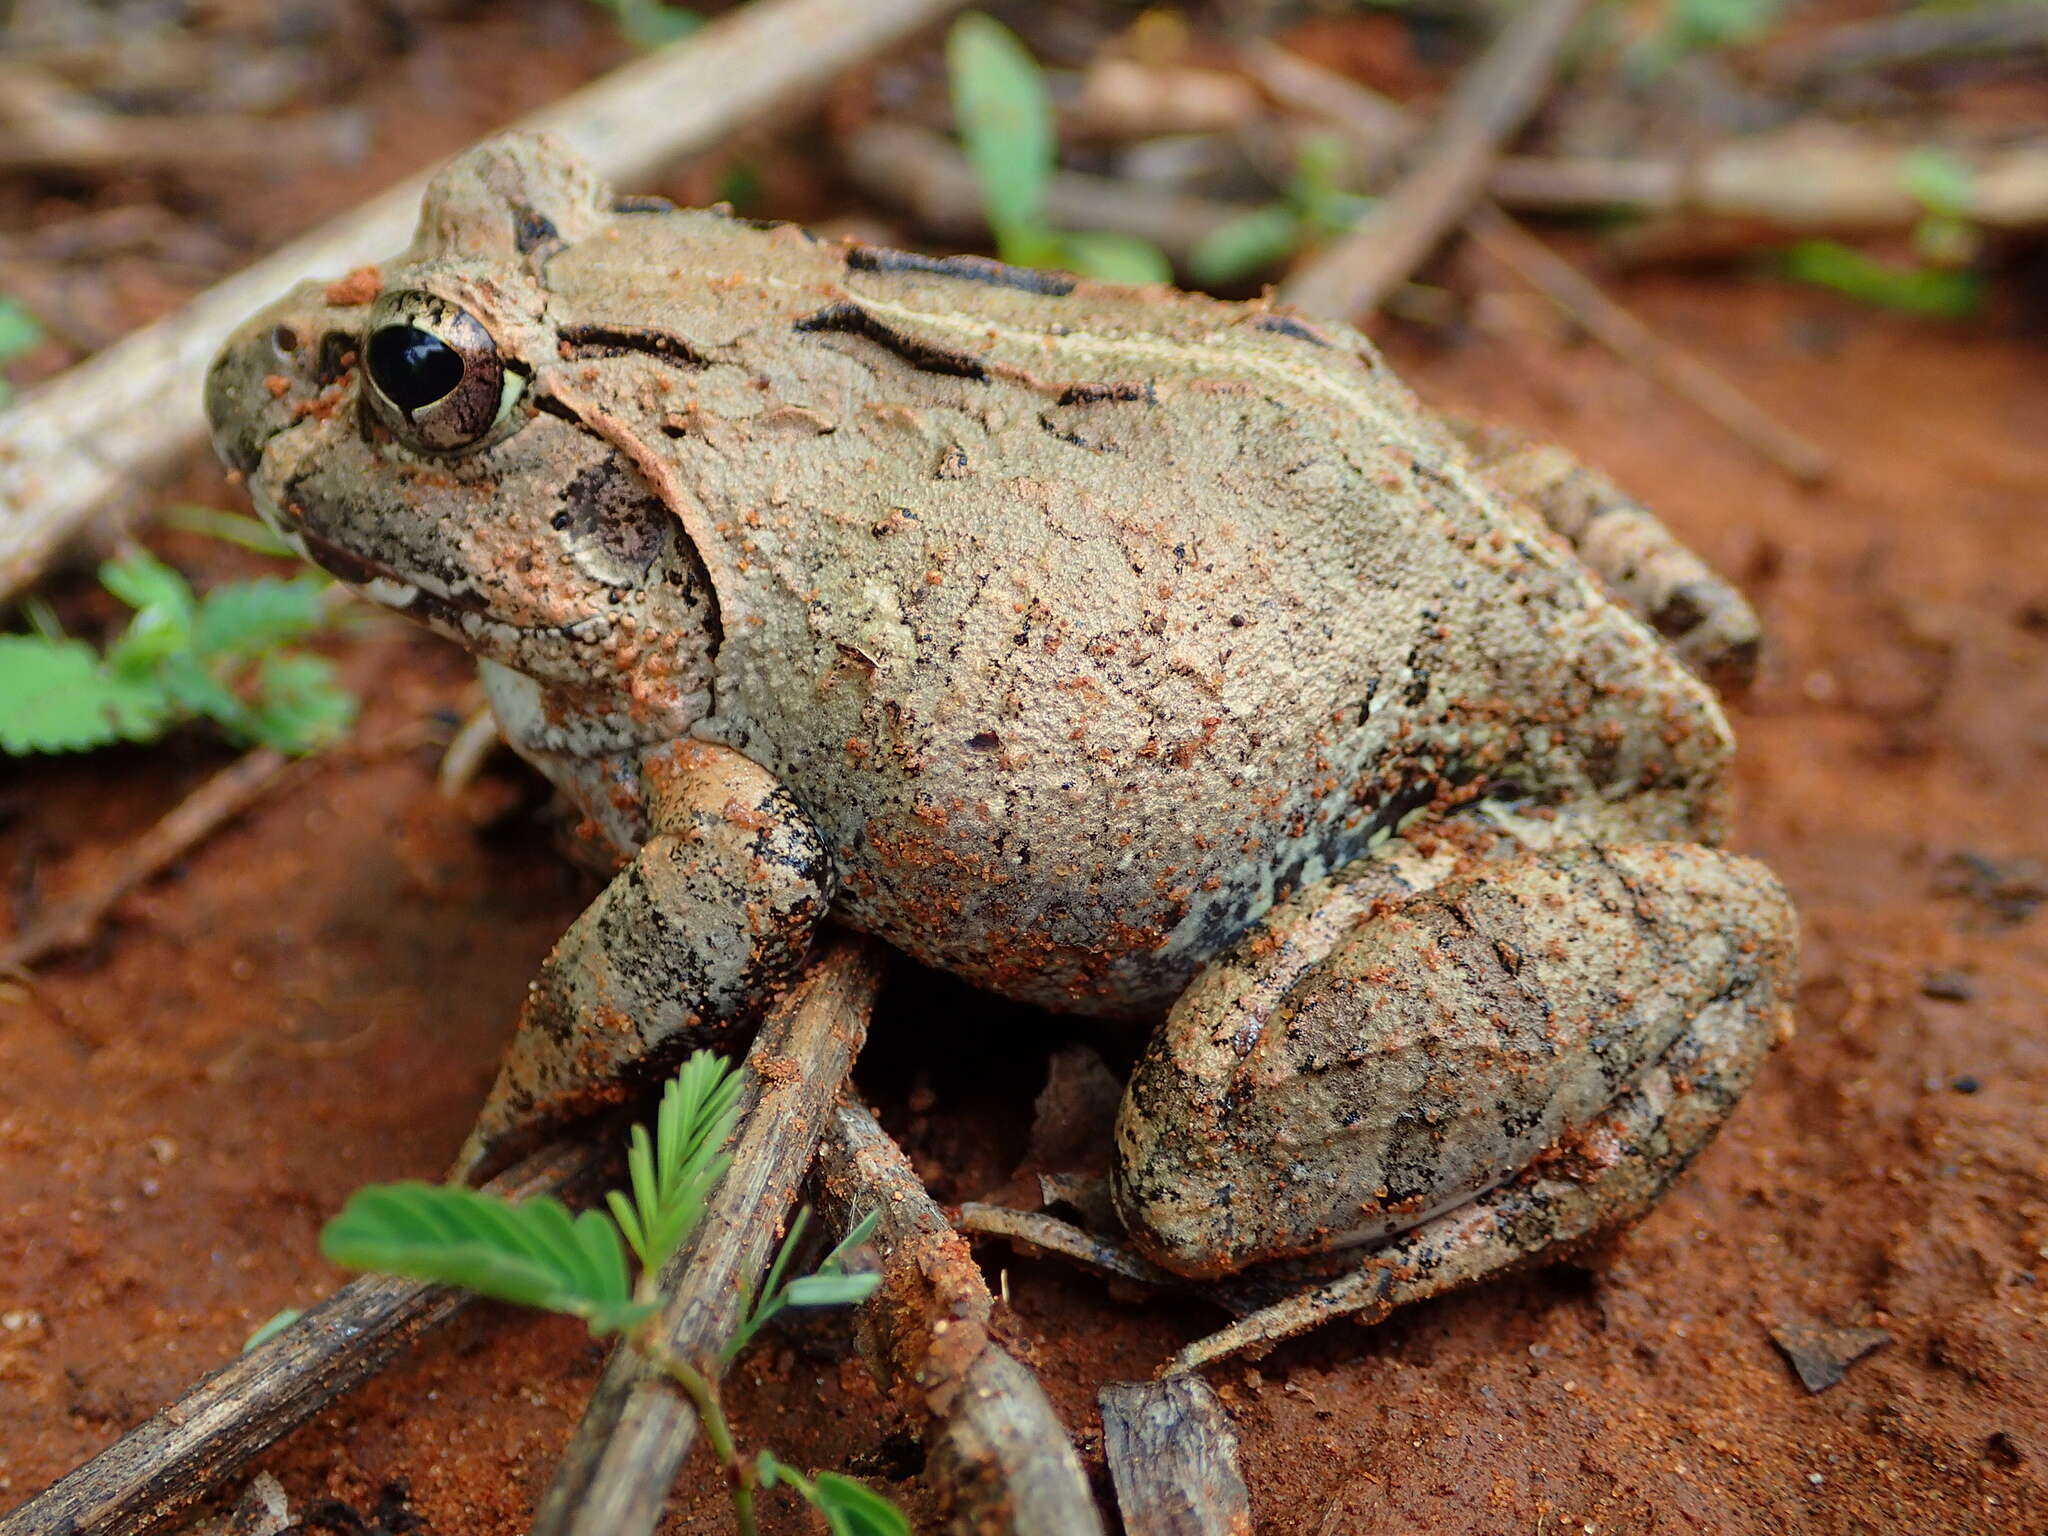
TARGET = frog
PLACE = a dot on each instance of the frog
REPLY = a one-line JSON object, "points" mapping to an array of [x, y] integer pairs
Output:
{"points": [[1131, 653]]}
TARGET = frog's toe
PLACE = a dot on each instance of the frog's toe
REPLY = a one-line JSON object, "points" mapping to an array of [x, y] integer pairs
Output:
{"points": [[1447, 1043]]}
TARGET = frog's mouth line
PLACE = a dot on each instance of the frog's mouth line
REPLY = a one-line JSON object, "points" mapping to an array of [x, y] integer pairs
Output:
{"points": [[462, 617]]}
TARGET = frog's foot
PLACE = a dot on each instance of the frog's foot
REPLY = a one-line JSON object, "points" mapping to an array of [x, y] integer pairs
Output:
{"points": [[1486, 1071], [1699, 613], [682, 950]]}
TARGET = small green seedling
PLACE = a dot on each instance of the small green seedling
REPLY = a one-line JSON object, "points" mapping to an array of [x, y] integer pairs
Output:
{"points": [[266, 1331], [1006, 127], [534, 1253], [1313, 206], [649, 24], [224, 657], [19, 331], [1940, 284], [1698, 26]]}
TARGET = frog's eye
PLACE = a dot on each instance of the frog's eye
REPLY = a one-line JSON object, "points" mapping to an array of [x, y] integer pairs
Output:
{"points": [[435, 374]]}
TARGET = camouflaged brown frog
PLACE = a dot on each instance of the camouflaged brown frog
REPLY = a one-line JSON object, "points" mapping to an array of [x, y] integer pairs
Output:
{"points": [[1118, 650]]}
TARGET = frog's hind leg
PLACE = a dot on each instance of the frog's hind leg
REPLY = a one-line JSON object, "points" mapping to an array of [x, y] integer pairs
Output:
{"points": [[1699, 613], [1604, 1176], [1483, 1072]]}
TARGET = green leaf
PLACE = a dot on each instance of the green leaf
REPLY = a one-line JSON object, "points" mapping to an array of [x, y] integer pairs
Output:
{"points": [[830, 1290], [1031, 245], [231, 528], [649, 24], [1248, 244], [197, 692], [56, 697], [1115, 258], [532, 1254], [265, 1332], [1941, 182], [147, 585], [827, 1286], [672, 1173], [19, 330], [299, 706], [248, 617], [854, 1509], [1005, 120], [1939, 292]]}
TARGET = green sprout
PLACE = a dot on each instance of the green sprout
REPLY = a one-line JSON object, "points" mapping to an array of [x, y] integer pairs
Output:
{"points": [[1699, 26], [1006, 127], [533, 1253], [1313, 206], [224, 657], [19, 332], [1940, 283], [650, 24]]}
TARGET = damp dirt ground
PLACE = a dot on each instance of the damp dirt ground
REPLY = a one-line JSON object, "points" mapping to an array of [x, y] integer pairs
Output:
{"points": [[315, 999]]}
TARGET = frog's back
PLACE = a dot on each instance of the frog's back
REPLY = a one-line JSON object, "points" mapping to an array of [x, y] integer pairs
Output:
{"points": [[1084, 620]]}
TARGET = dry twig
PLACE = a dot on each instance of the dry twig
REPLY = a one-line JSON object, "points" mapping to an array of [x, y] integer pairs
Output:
{"points": [[96, 433], [998, 1455], [1576, 294], [1636, 344], [1036, 1232], [175, 1458], [1490, 102], [2005, 33], [45, 125], [1173, 1455], [198, 816], [614, 1478]]}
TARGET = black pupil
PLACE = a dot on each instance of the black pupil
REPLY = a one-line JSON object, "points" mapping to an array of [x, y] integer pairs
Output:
{"points": [[413, 367]]}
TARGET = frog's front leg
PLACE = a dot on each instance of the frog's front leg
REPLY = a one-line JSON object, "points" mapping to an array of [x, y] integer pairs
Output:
{"points": [[681, 950], [1380, 1054]]}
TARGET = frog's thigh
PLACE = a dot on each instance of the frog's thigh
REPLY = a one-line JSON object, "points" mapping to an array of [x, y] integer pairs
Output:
{"points": [[680, 951], [1697, 611], [1439, 1044]]}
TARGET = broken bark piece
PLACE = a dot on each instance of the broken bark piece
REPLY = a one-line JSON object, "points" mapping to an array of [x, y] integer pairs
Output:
{"points": [[1821, 1352], [614, 1478], [1173, 1455], [998, 1456]]}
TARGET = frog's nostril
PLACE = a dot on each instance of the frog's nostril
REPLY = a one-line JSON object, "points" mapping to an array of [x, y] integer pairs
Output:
{"points": [[284, 341]]}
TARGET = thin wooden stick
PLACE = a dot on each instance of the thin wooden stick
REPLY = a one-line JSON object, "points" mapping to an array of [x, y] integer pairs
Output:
{"points": [[1173, 1456], [1636, 344], [614, 1479], [175, 1458], [47, 125], [72, 924], [1034, 1231], [99, 431], [997, 1454], [2005, 33], [1489, 103], [1565, 286]]}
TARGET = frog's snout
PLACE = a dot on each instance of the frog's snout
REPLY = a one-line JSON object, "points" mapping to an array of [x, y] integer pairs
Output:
{"points": [[273, 372]]}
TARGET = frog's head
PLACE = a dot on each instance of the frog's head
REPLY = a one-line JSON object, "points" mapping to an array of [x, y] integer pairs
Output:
{"points": [[423, 432]]}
